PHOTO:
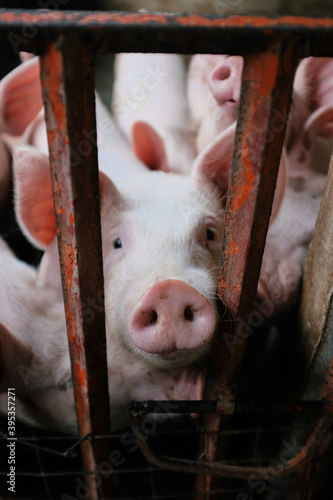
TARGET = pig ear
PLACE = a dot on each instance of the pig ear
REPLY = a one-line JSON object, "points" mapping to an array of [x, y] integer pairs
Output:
{"points": [[314, 79], [109, 194], [149, 147], [212, 166], [33, 195], [320, 122], [12, 354], [20, 97]]}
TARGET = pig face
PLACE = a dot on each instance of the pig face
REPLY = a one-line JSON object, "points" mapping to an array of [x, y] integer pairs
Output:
{"points": [[163, 262], [161, 239]]}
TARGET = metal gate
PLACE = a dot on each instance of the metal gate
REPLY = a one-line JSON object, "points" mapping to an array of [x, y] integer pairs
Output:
{"points": [[68, 44]]}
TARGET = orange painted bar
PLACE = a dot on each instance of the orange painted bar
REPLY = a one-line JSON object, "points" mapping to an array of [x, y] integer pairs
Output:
{"points": [[69, 107], [252, 182], [183, 33]]}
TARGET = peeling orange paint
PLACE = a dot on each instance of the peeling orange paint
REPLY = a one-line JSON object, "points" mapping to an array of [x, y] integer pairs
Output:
{"points": [[71, 218], [242, 189], [52, 80], [268, 67], [257, 21], [196, 20]]}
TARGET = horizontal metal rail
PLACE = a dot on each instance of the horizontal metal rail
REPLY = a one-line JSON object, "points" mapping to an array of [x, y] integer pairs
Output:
{"points": [[182, 33]]}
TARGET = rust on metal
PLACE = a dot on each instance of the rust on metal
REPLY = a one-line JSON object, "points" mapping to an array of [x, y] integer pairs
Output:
{"points": [[296, 463], [265, 95], [183, 33], [87, 18], [75, 179]]}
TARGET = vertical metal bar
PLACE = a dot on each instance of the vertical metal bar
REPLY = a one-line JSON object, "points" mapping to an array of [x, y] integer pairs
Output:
{"points": [[264, 107], [265, 101], [67, 75]]}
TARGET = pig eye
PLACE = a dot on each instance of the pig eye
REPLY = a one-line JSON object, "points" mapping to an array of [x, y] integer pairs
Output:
{"points": [[210, 235], [117, 243]]}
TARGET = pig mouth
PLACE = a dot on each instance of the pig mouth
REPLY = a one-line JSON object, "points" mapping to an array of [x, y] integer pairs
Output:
{"points": [[179, 357], [173, 355]]}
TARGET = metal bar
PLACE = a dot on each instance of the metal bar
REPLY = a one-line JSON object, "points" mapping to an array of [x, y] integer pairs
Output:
{"points": [[235, 471], [67, 76], [183, 33], [264, 107], [140, 409]]}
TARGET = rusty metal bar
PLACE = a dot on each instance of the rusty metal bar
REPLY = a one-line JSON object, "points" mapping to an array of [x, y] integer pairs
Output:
{"points": [[264, 107], [222, 469], [183, 33], [67, 76], [263, 114]]}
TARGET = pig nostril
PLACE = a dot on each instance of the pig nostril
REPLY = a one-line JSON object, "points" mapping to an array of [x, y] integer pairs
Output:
{"points": [[188, 313], [153, 317], [223, 73]]}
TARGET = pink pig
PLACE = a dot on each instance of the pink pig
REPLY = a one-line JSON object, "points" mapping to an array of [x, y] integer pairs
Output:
{"points": [[307, 157], [149, 103], [213, 86], [214, 83], [22, 113], [161, 241]]}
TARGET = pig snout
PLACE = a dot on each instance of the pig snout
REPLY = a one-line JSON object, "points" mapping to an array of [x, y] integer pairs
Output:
{"points": [[171, 319], [225, 81]]}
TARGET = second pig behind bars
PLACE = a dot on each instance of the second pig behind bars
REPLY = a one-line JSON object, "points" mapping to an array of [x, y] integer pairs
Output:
{"points": [[212, 93]]}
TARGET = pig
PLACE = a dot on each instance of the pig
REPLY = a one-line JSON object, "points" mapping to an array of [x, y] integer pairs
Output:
{"points": [[4, 175], [149, 103], [161, 236], [21, 107], [290, 235], [35, 359], [214, 83]]}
